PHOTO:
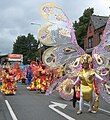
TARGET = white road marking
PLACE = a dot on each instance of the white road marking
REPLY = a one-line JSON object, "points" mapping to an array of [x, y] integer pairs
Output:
{"points": [[11, 110], [52, 106], [99, 109]]}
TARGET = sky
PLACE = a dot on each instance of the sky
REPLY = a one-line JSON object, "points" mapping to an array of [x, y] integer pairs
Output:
{"points": [[16, 16]]}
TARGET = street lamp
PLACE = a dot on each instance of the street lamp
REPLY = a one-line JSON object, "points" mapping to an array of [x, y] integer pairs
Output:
{"points": [[38, 24], [33, 23]]}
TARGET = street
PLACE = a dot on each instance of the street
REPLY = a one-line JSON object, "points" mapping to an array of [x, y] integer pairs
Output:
{"points": [[30, 105]]}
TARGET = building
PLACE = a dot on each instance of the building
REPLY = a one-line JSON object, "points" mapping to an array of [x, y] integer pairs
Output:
{"points": [[3, 59], [15, 58], [94, 32], [11, 58]]}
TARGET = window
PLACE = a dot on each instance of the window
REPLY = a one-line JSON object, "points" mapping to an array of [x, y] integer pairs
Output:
{"points": [[90, 42], [100, 37], [90, 28]]}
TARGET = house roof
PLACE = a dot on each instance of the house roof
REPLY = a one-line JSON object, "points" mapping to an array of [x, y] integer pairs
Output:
{"points": [[99, 21]]}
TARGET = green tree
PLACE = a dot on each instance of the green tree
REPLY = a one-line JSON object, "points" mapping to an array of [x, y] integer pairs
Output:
{"points": [[81, 26], [26, 45]]}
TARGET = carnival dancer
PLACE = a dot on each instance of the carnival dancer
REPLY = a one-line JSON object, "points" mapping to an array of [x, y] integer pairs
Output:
{"points": [[86, 78], [0, 77], [65, 50], [9, 84], [42, 84], [18, 73], [35, 71], [33, 84], [29, 75], [3, 77], [50, 77]]}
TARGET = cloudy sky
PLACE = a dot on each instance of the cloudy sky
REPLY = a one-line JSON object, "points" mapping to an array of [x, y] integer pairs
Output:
{"points": [[16, 16]]}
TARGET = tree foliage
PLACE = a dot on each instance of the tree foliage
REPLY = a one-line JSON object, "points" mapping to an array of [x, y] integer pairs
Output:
{"points": [[81, 26], [26, 45]]}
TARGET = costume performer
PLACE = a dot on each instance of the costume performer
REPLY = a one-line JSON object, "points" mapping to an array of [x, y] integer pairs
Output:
{"points": [[8, 82], [17, 72], [66, 51], [86, 78], [42, 79], [29, 75]]}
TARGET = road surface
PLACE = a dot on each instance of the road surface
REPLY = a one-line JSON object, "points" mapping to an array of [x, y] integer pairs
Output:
{"points": [[30, 105]]}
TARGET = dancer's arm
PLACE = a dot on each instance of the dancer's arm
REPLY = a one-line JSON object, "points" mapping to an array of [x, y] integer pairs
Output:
{"points": [[77, 80]]}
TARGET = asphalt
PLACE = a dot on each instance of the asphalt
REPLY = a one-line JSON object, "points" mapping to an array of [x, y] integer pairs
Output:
{"points": [[30, 105], [4, 113]]}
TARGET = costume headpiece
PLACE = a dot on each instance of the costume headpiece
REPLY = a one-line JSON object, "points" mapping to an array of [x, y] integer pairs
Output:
{"points": [[85, 59]]}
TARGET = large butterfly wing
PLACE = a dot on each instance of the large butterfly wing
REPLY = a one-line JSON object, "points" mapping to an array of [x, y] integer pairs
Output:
{"points": [[101, 53], [101, 56], [65, 50], [105, 92], [49, 57]]}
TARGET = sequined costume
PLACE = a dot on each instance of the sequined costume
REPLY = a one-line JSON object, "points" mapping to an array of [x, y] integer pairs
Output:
{"points": [[8, 82], [90, 72]]}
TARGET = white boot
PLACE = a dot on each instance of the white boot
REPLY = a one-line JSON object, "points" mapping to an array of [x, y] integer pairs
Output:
{"points": [[80, 106]]}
